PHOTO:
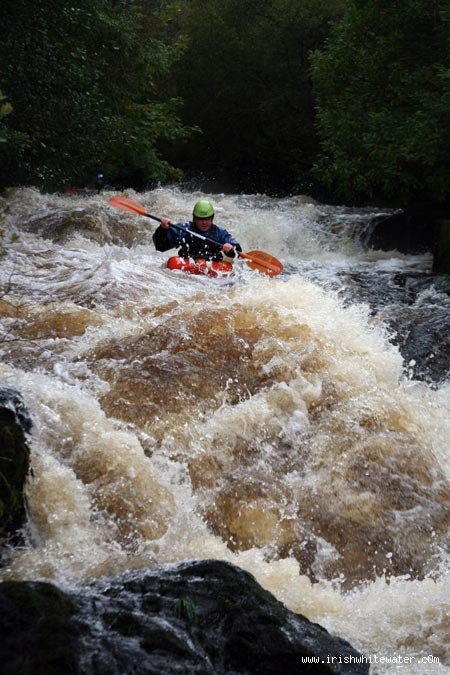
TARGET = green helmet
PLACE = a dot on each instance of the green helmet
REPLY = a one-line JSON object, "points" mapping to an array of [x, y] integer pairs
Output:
{"points": [[203, 209]]}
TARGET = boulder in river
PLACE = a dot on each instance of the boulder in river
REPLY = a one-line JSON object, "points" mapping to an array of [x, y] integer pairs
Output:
{"points": [[14, 463], [205, 617]]}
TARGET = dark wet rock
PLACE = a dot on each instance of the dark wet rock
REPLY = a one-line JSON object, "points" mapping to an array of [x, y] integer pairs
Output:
{"points": [[416, 308], [376, 291], [409, 231], [404, 231], [422, 333], [11, 399], [380, 289], [14, 464], [419, 228], [205, 617], [61, 224], [38, 631], [441, 261], [385, 289], [419, 282]]}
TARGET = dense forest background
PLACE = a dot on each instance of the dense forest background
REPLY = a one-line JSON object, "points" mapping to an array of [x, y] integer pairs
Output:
{"points": [[344, 99]]}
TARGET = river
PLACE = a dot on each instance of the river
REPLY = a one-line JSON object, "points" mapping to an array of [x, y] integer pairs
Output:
{"points": [[270, 422]]}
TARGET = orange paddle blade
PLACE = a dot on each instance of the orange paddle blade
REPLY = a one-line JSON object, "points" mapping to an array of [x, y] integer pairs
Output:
{"points": [[127, 205], [263, 262]]}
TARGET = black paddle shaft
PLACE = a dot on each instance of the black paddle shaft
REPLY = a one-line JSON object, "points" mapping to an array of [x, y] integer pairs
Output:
{"points": [[183, 229]]}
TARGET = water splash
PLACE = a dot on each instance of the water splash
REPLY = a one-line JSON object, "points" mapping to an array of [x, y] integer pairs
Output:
{"points": [[269, 422]]}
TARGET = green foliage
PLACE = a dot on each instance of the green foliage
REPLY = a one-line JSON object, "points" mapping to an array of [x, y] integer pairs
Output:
{"points": [[10, 141], [136, 154], [90, 85], [5, 109], [82, 79], [185, 608], [383, 88], [245, 80]]}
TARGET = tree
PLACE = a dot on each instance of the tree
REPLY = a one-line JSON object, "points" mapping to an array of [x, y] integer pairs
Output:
{"points": [[5, 109], [15, 142], [382, 83], [81, 78], [245, 81]]}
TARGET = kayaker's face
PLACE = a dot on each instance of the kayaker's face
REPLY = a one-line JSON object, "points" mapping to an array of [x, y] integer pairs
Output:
{"points": [[203, 224]]}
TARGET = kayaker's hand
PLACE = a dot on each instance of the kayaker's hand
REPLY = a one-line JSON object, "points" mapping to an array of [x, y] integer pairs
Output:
{"points": [[228, 250], [165, 223]]}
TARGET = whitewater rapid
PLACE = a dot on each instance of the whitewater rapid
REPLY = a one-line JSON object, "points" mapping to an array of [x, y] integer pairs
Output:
{"points": [[268, 422]]}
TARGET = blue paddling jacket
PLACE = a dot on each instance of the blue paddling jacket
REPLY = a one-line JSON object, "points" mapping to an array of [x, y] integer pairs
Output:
{"points": [[191, 246]]}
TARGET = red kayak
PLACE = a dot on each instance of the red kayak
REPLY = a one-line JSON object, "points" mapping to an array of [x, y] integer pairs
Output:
{"points": [[80, 191], [212, 268]]}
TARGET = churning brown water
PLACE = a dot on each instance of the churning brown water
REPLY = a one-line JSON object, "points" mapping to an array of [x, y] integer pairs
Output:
{"points": [[262, 421]]}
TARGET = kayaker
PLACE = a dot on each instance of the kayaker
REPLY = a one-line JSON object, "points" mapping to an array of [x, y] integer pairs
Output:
{"points": [[166, 237], [99, 182]]}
